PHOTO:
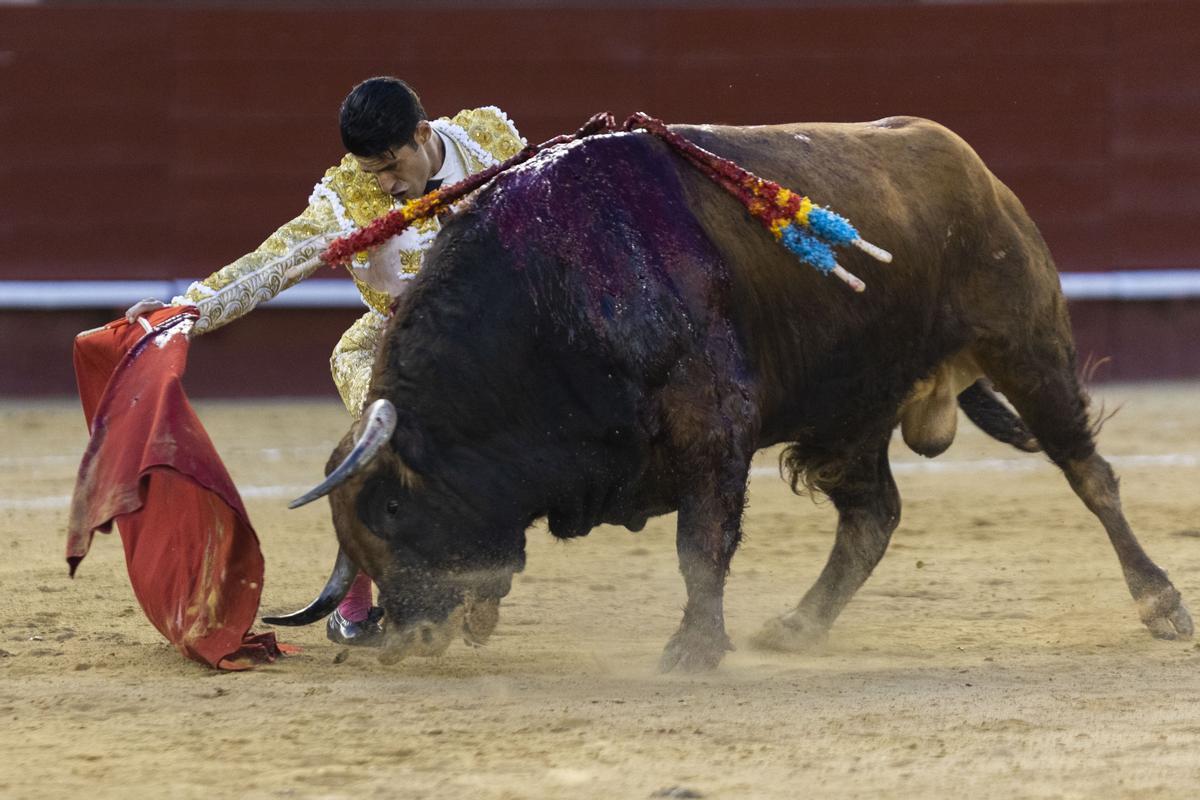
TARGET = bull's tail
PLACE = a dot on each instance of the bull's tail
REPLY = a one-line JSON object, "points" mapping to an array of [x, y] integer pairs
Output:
{"points": [[993, 417]]}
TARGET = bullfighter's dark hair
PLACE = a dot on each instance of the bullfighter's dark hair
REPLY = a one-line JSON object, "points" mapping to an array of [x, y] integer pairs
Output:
{"points": [[378, 115]]}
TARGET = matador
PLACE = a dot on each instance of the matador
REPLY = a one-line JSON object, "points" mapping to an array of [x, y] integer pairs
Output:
{"points": [[395, 154]]}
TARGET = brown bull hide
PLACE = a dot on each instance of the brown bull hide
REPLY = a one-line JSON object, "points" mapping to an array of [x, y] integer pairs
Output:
{"points": [[604, 335]]}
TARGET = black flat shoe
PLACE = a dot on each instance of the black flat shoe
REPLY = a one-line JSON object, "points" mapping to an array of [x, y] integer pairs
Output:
{"points": [[365, 633]]}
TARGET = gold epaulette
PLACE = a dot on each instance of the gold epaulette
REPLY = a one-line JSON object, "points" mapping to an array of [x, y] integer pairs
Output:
{"points": [[490, 128]]}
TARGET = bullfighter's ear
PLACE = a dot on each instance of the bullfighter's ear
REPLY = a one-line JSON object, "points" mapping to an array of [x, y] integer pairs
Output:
{"points": [[409, 443]]}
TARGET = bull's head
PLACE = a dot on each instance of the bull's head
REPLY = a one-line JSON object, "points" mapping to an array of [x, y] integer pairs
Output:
{"points": [[441, 557]]}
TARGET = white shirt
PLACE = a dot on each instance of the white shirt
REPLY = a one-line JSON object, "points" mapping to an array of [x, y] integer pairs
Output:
{"points": [[453, 169], [384, 271]]}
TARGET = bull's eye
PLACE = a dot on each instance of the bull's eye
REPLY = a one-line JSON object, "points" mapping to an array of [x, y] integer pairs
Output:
{"points": [[379, 506]]}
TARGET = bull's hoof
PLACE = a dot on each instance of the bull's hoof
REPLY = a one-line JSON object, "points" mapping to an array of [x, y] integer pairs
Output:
{"points": [[795, 633], [1164, 613], [693, 651]]}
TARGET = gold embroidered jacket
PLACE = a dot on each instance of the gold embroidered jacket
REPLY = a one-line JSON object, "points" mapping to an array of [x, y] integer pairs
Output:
{"points": [[344, 200]]}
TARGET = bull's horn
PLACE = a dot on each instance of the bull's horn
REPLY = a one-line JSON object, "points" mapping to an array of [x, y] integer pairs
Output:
{"points": [[344, 572], [377, 429]]}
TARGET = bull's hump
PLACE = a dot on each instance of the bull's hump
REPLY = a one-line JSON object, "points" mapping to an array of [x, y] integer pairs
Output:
{"points": [[894, 123], [606, 222], [564, 191]]}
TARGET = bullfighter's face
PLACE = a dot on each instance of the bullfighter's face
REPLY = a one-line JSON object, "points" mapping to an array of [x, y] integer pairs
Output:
{"points": [[403, 170], [441, 559]]}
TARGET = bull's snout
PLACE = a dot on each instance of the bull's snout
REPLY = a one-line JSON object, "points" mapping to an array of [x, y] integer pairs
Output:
{"points": [[473, 621], [420, 638], [480, 619]]}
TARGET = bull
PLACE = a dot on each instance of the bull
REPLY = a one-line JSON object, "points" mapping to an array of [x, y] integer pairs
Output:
{"points": [[603, 335]]}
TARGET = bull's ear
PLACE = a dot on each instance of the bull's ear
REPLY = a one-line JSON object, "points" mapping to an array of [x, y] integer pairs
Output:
{"points": [[410, 444]]}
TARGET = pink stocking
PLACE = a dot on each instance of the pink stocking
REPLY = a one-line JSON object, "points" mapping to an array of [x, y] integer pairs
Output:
{"points": [[358, 600]]}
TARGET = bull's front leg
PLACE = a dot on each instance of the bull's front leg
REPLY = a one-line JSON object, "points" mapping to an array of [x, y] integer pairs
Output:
{"points": [[709, 529]]}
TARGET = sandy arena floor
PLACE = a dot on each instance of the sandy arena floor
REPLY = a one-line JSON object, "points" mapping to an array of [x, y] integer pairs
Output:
{"points": [[994, 654]]}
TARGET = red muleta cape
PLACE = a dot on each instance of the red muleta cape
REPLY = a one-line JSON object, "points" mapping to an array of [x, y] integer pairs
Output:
{"points": [[192, 555]]}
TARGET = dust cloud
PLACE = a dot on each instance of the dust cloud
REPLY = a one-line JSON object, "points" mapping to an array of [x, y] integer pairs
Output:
{"points": [[995, 653]]}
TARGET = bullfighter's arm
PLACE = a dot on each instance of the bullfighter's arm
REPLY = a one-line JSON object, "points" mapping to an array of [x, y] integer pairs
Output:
{"points": [[353, 359], [291, 254]]}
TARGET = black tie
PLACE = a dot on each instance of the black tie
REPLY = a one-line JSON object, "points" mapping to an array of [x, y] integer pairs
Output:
{"points": [[433, 185]]}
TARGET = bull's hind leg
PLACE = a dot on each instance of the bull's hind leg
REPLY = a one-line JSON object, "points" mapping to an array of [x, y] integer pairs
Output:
{"points": [[868, 507], [1038, 377], [1159, 604]]}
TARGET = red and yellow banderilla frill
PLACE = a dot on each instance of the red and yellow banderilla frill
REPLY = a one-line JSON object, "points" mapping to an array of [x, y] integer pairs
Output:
{"points": [[809, 231]]}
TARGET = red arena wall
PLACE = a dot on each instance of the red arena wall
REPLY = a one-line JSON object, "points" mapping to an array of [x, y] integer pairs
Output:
{"points": [[150, 142]]}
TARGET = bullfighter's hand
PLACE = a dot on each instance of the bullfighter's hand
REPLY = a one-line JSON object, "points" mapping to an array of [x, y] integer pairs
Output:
{"points": [[143, 307], [386, 272]]}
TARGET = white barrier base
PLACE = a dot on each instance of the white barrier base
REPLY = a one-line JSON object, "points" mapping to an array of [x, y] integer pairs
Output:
{"points": [[1171, 284]]}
